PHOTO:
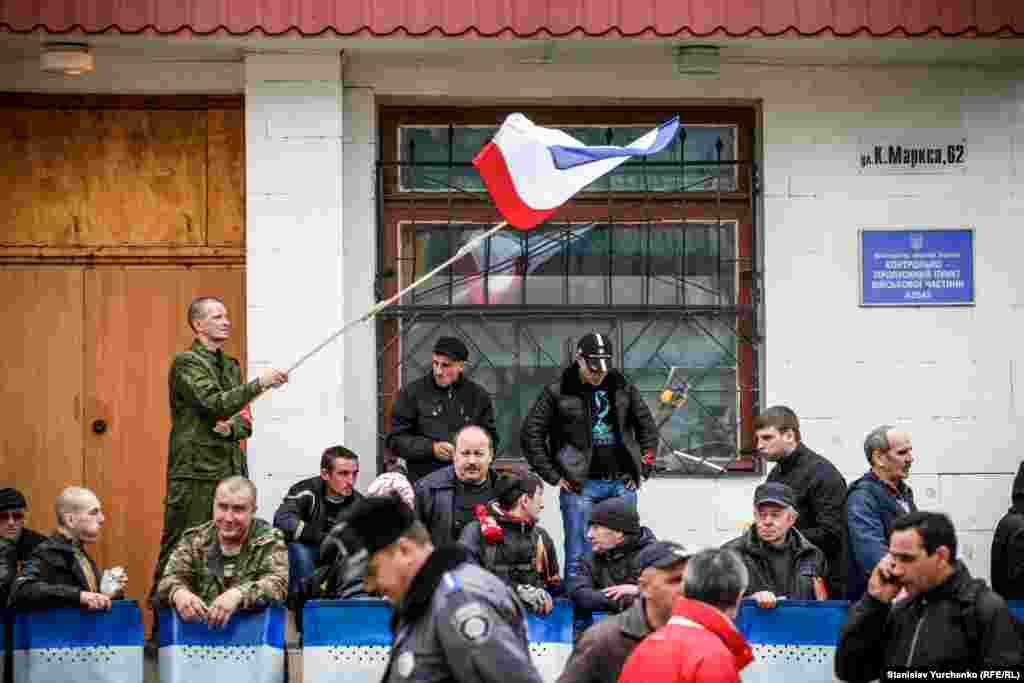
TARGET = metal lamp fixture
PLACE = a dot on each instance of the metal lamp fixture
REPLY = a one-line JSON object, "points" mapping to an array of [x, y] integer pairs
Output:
{"points": [[698, 60], [67, 59]]}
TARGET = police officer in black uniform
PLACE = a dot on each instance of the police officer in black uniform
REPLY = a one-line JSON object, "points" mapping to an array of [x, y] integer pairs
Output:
{"points": [[453, 621]]}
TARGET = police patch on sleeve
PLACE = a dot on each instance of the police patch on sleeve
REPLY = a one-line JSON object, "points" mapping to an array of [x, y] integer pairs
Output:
{"points": [[473, 622]]}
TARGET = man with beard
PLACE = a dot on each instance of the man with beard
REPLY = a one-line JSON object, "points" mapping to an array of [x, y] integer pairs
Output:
{"points": [[234, 562], [506, 540], [16, 540], [428, 412], [780, 561], [607, 580], [875, 501], [819, 488], [446, 499]]}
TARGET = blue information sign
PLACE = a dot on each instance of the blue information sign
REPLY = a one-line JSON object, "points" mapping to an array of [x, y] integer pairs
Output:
{"points": [[922, 267]]}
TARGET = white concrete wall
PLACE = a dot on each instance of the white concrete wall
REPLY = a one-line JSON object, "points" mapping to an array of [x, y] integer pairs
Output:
{"points": [[948, 374], [295, 265]]}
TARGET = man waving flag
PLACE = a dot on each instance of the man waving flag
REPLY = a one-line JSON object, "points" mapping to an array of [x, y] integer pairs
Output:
{"points": [[531, 171]]}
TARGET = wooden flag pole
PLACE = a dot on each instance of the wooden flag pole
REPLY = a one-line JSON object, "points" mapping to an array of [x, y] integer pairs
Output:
{"points": [[380, 306]]}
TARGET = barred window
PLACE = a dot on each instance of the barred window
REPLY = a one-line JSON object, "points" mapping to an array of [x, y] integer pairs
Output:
{"points": [[658, 255]]}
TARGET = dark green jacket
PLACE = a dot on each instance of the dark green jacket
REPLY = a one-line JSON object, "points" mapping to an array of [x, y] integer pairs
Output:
{"points": [[206, 387]]}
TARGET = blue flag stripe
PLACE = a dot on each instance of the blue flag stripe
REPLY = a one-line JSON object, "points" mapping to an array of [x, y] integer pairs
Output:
{"points": [[244, 629], [569, 157], [76, 628]]}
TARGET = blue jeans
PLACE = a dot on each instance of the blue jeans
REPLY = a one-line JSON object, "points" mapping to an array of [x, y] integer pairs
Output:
{"points": [[302, 560], [576, 516]]}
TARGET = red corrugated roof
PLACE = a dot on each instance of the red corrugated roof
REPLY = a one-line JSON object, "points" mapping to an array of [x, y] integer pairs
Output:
{"points": [[522, 18]]}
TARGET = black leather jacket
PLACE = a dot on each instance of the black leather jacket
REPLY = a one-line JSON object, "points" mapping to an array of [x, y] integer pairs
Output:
{"points": [[561, 417], [51, 577], [424, 413], [301, 514]]}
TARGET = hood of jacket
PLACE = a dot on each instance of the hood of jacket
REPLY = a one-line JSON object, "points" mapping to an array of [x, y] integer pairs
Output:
{"points": [[1018, 491], [572, 385], [718, 624]]}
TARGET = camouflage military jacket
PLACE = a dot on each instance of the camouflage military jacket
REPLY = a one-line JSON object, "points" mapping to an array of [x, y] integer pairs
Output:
{"points": [[197, 564], [206, 387]]}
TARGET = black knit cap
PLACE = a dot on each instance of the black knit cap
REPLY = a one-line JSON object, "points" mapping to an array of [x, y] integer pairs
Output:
{"points": [[617, 514], [11, 499], [451, 347], [378, 521]]}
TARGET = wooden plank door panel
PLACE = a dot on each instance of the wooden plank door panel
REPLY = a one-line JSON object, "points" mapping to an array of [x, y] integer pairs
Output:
{"points": [[135, 321], [41, 393]]}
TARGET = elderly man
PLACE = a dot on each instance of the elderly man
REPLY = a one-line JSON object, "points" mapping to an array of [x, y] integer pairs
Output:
{"points": [[592, 435], [780, 561], [507, 540], [312, 507], [428, 412], [60, 572], [948, 620], [699, 644], [209, 417], [236, 561], [819, 488], [607, 581], [453, 621], [16, 540], [446, 499], [602, 651], [875, 501]]}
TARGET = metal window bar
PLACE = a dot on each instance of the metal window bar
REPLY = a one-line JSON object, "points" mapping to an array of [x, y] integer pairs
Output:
{"points": [[725, 312]]}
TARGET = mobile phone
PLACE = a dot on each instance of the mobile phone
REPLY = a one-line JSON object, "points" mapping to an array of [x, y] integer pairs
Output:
{"points": [[886, 576]]}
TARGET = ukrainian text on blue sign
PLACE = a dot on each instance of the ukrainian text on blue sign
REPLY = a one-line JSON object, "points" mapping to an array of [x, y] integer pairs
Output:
{"points": [[917, 267]]}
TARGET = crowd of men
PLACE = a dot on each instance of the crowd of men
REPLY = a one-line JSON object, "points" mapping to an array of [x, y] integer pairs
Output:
{"points": [[455, 543]]}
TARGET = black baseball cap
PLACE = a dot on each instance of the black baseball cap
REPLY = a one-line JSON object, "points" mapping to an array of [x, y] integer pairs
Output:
{"points": [[596, 350], [774, 492], [664, 554]]}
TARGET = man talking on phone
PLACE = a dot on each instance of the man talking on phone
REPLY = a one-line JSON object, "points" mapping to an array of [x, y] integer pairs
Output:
{"points": [[944, 620]]}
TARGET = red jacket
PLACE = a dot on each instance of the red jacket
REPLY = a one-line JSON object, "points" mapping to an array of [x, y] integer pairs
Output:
{"points": [[698, 645]]}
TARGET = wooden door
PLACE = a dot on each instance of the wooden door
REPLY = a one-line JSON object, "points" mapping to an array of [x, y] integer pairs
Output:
{"points": [[135, 321], [41, 391]]}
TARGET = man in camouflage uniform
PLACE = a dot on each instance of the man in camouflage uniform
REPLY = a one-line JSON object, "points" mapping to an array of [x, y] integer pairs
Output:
{"points": [[209, 417], [234, 562]]}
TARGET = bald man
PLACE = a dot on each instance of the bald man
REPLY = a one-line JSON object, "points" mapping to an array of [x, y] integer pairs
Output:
{"points": [[60, 572], [875, 501]]}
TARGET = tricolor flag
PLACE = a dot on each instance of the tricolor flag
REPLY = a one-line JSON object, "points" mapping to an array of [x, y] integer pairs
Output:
{"points": [[531, 171]]}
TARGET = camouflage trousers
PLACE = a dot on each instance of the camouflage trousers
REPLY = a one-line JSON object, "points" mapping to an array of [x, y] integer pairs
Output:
{"points": [[189, 503]]}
